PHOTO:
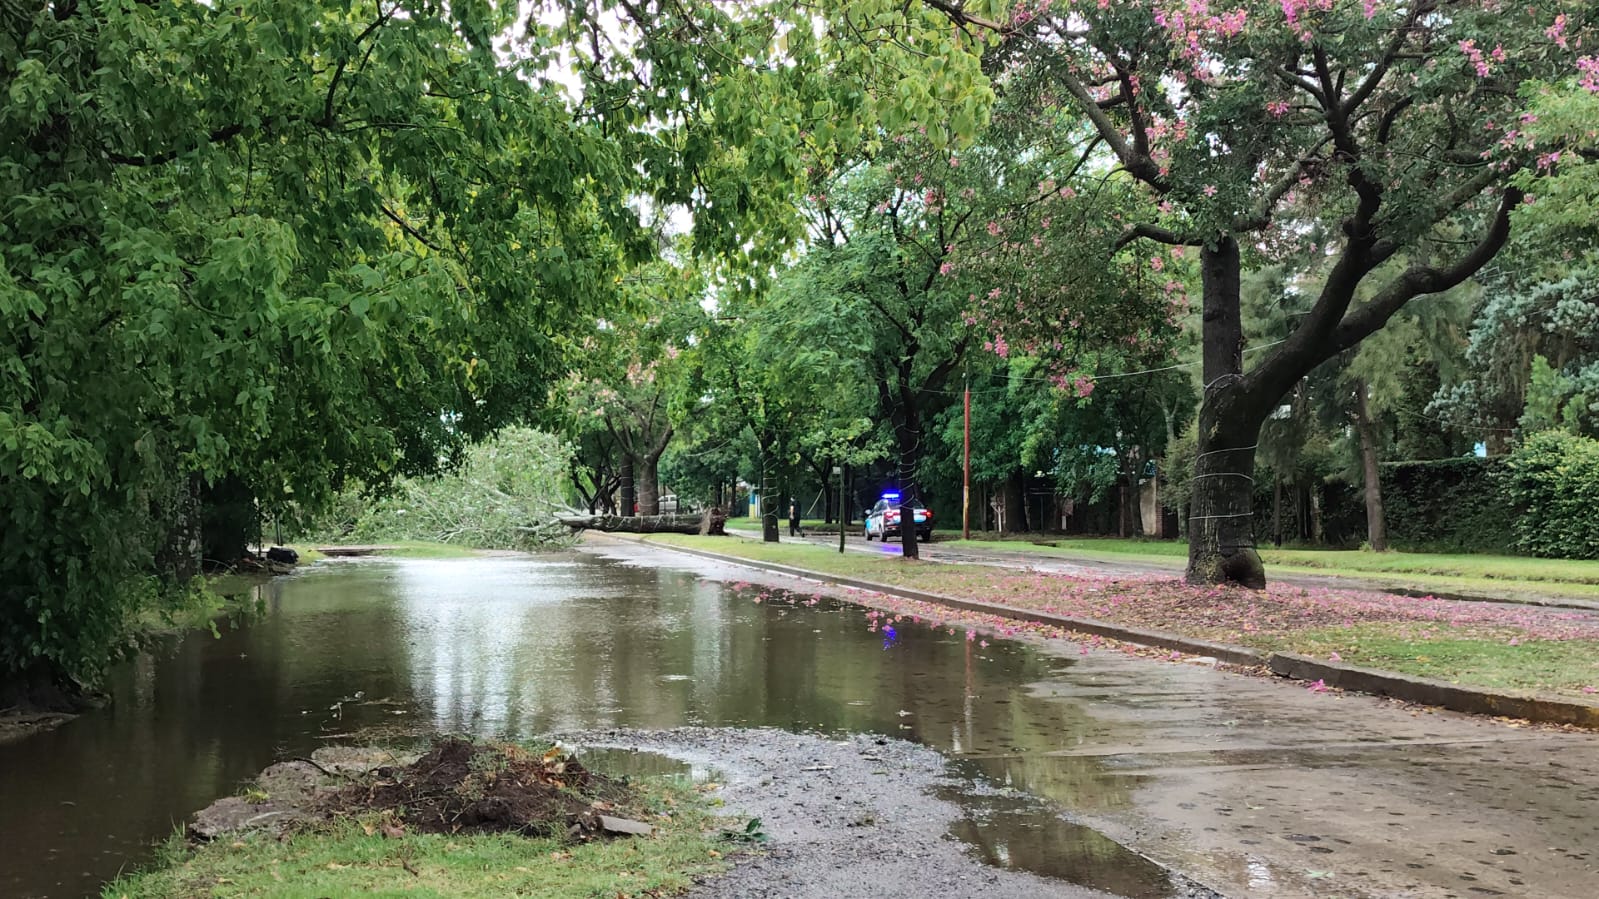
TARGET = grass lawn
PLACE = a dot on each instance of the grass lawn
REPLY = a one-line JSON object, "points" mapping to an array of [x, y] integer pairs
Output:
{"points": [[1484, 644], [354, 858], [1539, 665], [1443, 572]]}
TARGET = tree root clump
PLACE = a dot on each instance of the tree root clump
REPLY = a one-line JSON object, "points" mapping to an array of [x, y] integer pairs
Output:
{"points": [[465, 787]]}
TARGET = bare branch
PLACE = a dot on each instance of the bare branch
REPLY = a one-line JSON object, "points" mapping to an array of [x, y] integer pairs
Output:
{"points": [[1144, 230], [960, 16], [221, 135], [1384, 249], [1390, 53], [1419, 280], [1260, 216]]}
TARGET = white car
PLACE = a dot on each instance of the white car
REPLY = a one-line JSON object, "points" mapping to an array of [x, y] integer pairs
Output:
{"points": [[882, 522]]}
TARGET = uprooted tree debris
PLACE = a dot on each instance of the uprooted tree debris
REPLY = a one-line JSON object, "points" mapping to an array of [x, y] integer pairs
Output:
{"points": [[458, 786], [468, 787], [711, 521]]}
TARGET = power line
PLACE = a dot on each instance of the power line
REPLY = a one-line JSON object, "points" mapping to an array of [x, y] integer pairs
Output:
{"points": [[1104, 377]]}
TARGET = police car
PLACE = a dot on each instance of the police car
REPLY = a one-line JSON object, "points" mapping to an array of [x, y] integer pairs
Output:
{"points": [[882, 522]]}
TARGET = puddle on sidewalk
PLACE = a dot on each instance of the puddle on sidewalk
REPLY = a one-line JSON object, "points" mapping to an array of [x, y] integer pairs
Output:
{"points": [[1018, 832]]}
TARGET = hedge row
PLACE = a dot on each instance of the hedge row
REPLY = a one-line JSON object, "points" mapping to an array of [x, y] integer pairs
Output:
{"points": [[1541, 500], [1447, 505], [1552, 480]]}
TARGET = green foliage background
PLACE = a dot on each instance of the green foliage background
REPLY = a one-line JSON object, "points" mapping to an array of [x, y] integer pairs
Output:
{"points": [[504, 495], [1448, 505], [1553, 480]]}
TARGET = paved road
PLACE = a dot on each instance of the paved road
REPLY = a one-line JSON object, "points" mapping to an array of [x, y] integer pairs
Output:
{"points": [[1262, 788]]}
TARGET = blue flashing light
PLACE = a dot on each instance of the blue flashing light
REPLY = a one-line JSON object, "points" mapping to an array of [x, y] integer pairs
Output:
{"points": [[891, 496]]}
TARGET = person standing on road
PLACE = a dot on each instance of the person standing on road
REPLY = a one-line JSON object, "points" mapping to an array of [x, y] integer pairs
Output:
{"points": [[794, 518]]}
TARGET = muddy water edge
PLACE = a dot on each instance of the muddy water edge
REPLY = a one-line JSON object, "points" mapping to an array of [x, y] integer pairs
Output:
{"points": [[518, 646]]}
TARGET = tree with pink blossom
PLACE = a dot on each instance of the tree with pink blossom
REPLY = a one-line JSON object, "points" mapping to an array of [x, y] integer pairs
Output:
{"points": [[1395, 125]]}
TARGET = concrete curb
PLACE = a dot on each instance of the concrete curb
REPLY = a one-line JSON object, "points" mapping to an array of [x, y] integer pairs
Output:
{"points": [[1424, 691], [1427, 691]]}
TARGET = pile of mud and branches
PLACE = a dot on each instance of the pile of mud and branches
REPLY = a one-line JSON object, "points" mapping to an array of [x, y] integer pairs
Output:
{"points": [[465, 787]]}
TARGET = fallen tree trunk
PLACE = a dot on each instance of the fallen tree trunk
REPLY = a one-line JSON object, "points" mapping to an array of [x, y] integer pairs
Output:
{"points": [[709, 522]]}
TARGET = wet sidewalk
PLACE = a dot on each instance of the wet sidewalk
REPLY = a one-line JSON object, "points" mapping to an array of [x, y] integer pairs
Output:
{"points": [[1263, 788]]}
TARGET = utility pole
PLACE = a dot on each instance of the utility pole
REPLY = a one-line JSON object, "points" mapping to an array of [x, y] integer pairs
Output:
{"points": [[966, 467]]}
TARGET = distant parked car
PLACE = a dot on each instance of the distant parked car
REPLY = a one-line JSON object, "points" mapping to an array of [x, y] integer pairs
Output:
{"points": [[882, 522], [669, 504]]}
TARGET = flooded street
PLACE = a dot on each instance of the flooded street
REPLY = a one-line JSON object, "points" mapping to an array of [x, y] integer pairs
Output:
{"points": [[509, 646], [1060, 762]]}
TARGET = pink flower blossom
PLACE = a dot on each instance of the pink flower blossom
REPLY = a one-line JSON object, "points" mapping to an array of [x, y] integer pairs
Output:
{"points": [[993, 228], [1588, 68], [1210, 190], [1277, 108], [1478, 61], [1557, 32]]}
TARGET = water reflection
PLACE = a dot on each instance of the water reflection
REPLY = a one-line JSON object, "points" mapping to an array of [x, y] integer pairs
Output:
{"points": [[1016, 832], [508, 647]]}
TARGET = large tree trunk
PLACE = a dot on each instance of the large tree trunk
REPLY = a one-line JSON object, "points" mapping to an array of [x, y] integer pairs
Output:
{"points": [[229, 521], [629, 494], [769, 503], [649, 485], [1277, 509], [181, 555], [649, 477], [691, 523], [1131, 522], [1221, 540], [1376, 524], [1015, 505]]}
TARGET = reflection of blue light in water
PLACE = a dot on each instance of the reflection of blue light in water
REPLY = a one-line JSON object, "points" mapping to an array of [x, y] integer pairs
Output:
{"points": [[890, 636]]}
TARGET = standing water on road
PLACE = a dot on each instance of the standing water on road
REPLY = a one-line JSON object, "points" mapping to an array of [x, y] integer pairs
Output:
{"points": [[521, 646]]}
